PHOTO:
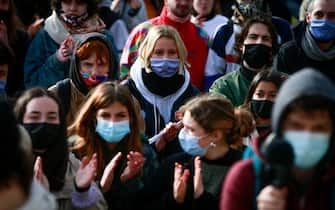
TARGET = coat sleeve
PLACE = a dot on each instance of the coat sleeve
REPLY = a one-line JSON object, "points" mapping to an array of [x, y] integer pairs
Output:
{"points": [[92, 199], [238, 190], [129, 53], [41, 67]]}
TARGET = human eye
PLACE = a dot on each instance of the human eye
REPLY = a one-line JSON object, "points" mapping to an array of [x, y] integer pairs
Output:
{"points": [[252, 36], [158, 52]]}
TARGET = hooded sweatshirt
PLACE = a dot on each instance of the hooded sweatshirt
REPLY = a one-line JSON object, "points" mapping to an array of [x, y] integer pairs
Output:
{"points": [[238, 189], [78, 89], [306, 82], [158, 110]]}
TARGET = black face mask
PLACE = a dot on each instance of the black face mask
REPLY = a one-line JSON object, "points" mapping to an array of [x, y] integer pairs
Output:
{"points": [[257, 55], [261, 108], [5, 16], [43, 135], [162, 86]]}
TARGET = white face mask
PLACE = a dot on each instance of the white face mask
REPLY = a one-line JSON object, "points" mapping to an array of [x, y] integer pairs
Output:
{"points": [[309, 148]]}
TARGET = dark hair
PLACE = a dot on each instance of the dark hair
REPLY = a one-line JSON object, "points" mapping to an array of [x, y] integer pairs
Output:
{"points": [[14, 161], [309, 104], [13, 23], [245, 30], [6, 54], [274, 77], [92, 5], [54, 170]]}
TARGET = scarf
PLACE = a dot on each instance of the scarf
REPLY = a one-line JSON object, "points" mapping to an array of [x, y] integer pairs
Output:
{"points": [[74, 21], [312, 50], [59, 31]]}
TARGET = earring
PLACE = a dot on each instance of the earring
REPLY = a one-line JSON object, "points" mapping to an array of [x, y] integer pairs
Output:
{"points": [[212, 144]]}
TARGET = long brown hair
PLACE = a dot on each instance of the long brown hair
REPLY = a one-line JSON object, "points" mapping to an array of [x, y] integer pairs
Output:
{"points": [[88, 141]]}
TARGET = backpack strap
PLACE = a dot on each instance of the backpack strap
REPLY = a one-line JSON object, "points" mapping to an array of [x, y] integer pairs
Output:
{"points": [[64, 93], [257, 167]]}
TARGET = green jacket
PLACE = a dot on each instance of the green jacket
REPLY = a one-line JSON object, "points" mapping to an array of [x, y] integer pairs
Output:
{"points": [[233, 86]]}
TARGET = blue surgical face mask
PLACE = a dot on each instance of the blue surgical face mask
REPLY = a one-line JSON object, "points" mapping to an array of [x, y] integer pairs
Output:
{"points": [[112, 132], [2, 84], [164, 67], [322, 30], [190, 144], [309, 148]]}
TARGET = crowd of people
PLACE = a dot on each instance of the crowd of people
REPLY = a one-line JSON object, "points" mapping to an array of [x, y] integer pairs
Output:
{"points": [[211, 104]]}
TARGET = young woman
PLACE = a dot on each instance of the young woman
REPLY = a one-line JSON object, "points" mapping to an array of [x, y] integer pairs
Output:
{"points": [[92, 63], [260, 99], [70, 181], [108, 125], [192, 179], [159, 78], [48, 56]]}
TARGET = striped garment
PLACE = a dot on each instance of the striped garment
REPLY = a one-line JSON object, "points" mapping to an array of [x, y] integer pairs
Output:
{"points": [[195, 39]]}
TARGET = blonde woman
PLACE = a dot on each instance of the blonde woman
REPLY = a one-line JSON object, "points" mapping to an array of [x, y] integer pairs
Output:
{"points": [[160, 80]]}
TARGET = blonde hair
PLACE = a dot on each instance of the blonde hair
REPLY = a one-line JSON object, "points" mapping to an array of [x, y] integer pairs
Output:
{"points": [[156, 32]]}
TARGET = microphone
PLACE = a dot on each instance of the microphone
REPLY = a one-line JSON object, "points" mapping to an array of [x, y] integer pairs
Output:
{"points": [[279, 156]]}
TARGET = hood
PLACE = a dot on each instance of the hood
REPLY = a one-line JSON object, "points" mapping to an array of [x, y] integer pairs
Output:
{"points": [[74, 69], [306, 82]]}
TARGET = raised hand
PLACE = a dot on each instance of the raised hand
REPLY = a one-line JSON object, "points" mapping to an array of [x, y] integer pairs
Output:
{"points": [[134, 166], [180, 183], [108, 175], [169, 133], [35, 26], [65, 50], [86, 172], [272, 198], [198, 185], [39, 175], [171, 130]]}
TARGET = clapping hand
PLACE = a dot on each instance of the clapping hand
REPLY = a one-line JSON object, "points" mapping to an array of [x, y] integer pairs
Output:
{"points": [[86, 172], [108, 175], [180, 182], [39, 175], [135, 162]]}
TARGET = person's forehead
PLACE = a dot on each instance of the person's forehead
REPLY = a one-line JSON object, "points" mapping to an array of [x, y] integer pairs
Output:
{"points": [[259, 29], [323, 5]]}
